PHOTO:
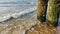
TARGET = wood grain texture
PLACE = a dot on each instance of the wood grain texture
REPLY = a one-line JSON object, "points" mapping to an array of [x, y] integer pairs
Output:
{"points": [[41, 9], [53, 12]]}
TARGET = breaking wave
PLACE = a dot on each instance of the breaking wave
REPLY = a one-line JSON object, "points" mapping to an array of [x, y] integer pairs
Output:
{"points": [[18, 15]]}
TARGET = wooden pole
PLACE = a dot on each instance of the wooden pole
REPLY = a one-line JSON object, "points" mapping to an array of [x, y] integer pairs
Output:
{"points": [[41, 10], [53, 11], [53, 14]]}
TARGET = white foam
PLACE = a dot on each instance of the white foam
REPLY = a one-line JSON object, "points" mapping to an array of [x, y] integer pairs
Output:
{"points": [[3, 18], [15, 15]]}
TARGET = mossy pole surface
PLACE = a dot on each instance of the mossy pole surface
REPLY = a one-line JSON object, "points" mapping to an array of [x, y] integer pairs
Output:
{"points": [[41, 9], [53, 11]]}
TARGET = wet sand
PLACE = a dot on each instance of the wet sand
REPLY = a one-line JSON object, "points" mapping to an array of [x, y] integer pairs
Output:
{"points": [[18, 25], [58, 30], [42, 28], [27, 25]]}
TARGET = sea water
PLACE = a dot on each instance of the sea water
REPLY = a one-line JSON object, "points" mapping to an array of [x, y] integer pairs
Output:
{"points": [[12, 8]]}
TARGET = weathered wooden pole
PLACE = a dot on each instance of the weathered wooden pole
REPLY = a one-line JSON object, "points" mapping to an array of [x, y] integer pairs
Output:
{"points": [[41, 10], [53, 12]]}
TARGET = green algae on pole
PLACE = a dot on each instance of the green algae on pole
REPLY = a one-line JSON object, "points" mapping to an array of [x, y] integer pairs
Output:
{"points": [[53, 11], [41, 9]]}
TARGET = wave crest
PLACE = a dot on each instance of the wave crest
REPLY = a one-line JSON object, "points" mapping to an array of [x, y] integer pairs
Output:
{"points": [[17, 15]]}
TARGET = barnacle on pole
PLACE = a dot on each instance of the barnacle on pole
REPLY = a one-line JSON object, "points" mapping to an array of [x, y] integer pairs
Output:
{"points": [[53, 11], [41, 9]]}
